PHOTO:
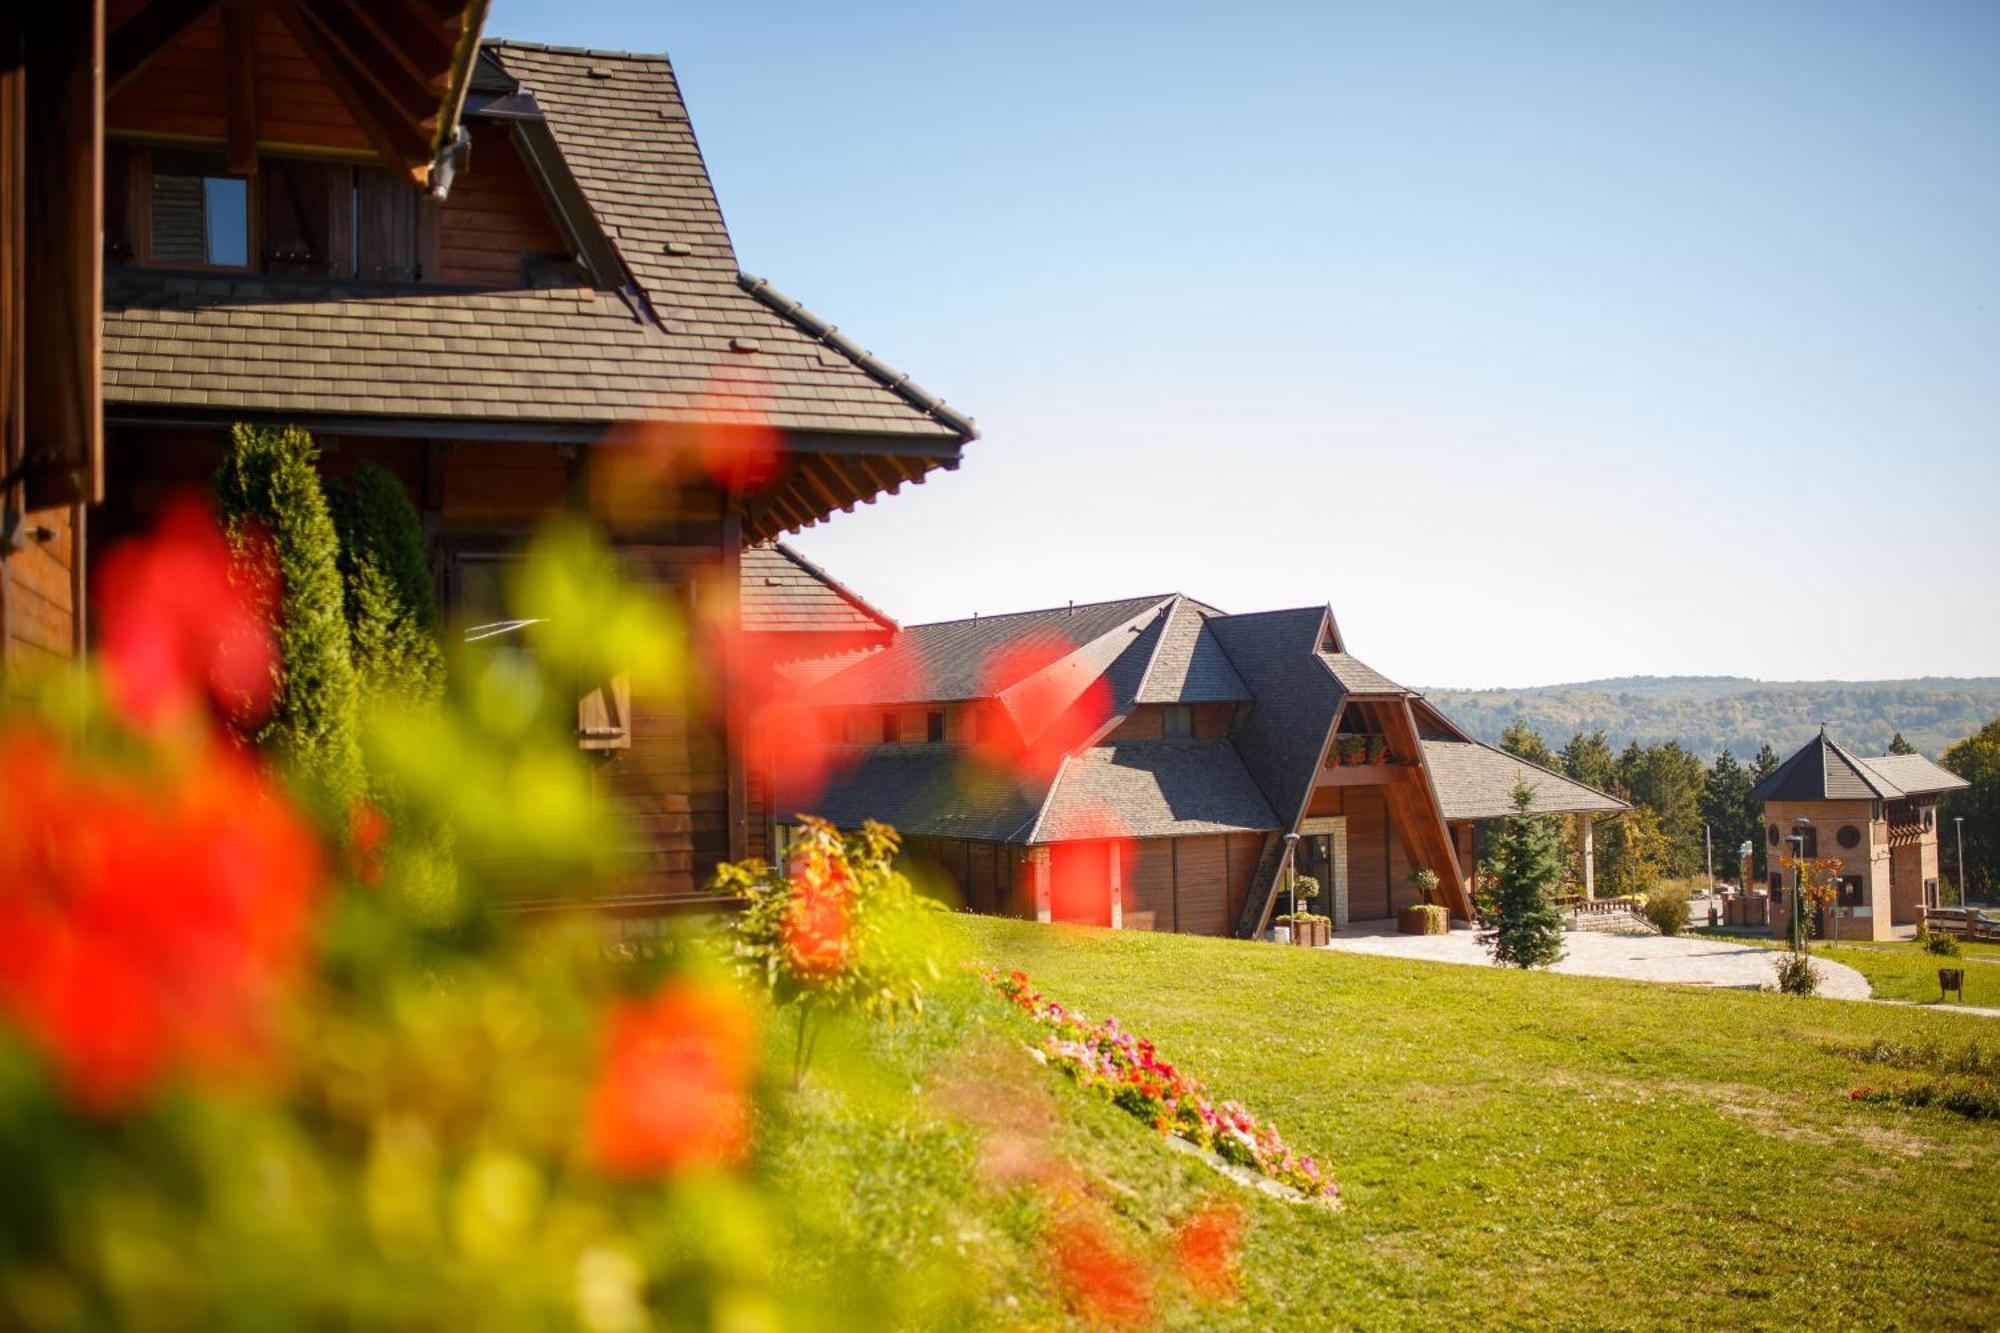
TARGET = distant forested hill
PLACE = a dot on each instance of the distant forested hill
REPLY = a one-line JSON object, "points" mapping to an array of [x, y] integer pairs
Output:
{"points": [[1710, 713]]}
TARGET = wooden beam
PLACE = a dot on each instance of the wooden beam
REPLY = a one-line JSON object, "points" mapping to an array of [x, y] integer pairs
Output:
{"points": [[736, 692], [146, 34], [376, 61], [1431, 840], [821, 485], [394, 139], [240, 89], [55, 93], [415, 39]]}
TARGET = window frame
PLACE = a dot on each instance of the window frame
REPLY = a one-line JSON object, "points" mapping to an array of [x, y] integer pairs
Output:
{"points": [[1173, 714], [139, 219]]}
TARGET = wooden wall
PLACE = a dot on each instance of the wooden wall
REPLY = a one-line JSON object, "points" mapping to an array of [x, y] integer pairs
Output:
{"points": [[180, 91], [1146, 722], [1373, 851], [40, 598], [493, 216]]}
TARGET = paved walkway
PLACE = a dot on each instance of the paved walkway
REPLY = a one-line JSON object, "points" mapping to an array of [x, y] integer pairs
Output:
{"points": [[1685, 959]]}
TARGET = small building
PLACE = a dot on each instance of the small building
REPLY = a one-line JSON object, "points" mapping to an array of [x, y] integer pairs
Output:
{"points": [[1140, 763], [1877, 816]]}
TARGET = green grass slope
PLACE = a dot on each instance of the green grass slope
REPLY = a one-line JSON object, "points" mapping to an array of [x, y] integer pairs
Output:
{"points": [[1513, 1149]]}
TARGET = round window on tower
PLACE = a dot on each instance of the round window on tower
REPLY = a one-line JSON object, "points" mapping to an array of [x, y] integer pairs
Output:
{"points": [[1850, 836]]}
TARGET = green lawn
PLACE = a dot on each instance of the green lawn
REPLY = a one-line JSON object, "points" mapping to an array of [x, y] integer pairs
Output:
{"points": [[1513, 1149], [1901, 970]]}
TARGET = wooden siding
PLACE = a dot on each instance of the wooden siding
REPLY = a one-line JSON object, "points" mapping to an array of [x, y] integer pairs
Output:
{"points": [[1211, 721], [494, 216], [180, 93], [1241, 851], [1201, 886], [40, 601], [1148, 876]]}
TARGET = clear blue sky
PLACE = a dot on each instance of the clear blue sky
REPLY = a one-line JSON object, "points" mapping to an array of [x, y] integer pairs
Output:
{"points": [[1546, 341]]}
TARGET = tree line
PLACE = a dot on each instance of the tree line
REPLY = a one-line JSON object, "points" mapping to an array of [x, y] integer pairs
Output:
{"points": [[1675, 799]]}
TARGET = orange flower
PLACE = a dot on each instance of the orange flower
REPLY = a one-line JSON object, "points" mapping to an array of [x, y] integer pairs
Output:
{"points": [[184, 624], [673, 1089], [1206, 1246], [817, 925], [148, 923], [1102, 1282]]}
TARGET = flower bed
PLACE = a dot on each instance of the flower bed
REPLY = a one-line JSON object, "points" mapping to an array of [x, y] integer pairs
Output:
{"points": [[1128, 1070]]}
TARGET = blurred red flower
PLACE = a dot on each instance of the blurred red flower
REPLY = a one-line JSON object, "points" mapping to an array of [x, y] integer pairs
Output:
{"points": [[149, 923], [183, 623], [1102, 1281], [673, 1089], [367, 835], [1206, 1246]]}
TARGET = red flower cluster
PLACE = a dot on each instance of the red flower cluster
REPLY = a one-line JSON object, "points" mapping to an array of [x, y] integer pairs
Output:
{"points": [[673, 1090], [148, 923], [183, 625]]}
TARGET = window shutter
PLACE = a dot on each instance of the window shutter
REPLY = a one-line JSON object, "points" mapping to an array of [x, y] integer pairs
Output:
{"points": [[604, 716]]}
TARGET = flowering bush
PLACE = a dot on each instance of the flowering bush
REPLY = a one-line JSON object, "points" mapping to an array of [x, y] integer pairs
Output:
{"points": [[1975, 1098], [838, 929], [1128, 1070]]}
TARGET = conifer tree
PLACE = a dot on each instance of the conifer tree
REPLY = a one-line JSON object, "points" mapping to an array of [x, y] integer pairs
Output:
{"points": [[1897, 745], [390, 599], [1525, 927], [268, 491]]}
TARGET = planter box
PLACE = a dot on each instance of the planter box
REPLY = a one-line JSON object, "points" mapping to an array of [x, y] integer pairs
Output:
{"points": [[1311, 934], [1422, 920]]}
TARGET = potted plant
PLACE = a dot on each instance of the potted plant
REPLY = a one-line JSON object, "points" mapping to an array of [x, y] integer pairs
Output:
{"points": [[1307, 928], [1352, 748], [1427, 917], [1378, 750]]}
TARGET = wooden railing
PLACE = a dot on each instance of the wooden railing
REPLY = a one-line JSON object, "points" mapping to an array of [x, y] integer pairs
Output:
{"points": [[1966, 922], [1578, 905]]}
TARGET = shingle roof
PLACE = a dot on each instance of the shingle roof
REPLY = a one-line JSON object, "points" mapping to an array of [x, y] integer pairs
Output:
{"points": [[1188, 666], [1915, 775], [1281, 736], [1357, 677], [1476, 781], [1822, 770], [785, 593], [569, 355], [983, 657], [1153, 789], [934, 791]]}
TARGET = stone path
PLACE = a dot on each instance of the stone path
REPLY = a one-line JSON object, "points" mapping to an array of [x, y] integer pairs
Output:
{"points": [[1687, 960]]}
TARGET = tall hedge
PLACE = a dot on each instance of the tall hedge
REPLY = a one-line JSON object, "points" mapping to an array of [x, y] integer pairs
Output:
{"points": [[267, 483], [391, 600]]}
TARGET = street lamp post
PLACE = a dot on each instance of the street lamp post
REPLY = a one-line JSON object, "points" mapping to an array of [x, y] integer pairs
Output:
{"points": [[1292, 874], [1798, 841], [1959, 821]]}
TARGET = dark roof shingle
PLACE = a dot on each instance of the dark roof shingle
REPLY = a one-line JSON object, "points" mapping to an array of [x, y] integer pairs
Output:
{"points": [[785, 593], [1153, 789], [1476, 781]]}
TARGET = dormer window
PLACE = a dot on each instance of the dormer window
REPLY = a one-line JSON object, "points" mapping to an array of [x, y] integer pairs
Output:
{"points": [[1177, 721]]}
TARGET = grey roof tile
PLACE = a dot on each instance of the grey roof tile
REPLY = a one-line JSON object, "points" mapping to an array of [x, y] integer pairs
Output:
{"points": [[1915, 775], [1476, 781], [785, 593], [934, 791], [1153, 789], [1189, 666]]}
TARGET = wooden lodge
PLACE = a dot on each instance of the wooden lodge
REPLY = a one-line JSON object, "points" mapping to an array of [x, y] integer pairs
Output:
{"points": [[1877, 817], [497, 269], [1139, 764]]}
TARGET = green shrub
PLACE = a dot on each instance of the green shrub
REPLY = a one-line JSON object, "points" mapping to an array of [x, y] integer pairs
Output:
{"points": [[1424, 919], [390, 600], [1797, 975], [1667, 908], [267, 484], [1943, 945], [1426, 881]]}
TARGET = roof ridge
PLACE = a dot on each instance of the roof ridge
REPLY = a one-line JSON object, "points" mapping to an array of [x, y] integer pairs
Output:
{"points": [[859, 602], [518, 44], [829, 335], [1155, 599]]}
